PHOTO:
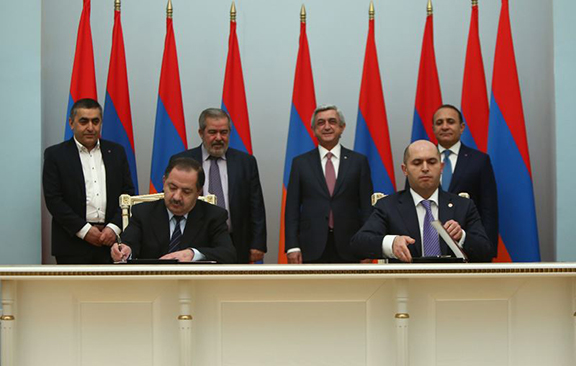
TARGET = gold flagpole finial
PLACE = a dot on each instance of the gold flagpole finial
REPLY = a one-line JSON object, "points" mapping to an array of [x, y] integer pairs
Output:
{"points": [[474, 2], [303, 14], [169, 10], [429, 8], [371, 10], [233, 12], [116, 5]]}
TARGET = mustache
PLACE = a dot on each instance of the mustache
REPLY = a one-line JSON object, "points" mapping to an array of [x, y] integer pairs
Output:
{"points": [[175, 202]]}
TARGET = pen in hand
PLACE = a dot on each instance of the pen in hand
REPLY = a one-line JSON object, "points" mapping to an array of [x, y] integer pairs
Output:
{"points": [[119, 241]]}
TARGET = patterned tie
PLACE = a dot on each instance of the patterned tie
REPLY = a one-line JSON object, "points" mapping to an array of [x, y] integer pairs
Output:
{"points": [[447, 172], [330, 182], [176, 235], [215, 186], [430, 236]]}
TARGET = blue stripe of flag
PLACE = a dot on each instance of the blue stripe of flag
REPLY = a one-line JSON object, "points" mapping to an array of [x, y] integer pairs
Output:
{"points": [[67, 130], [299, 142], [517, 213], [467, 137], [167, 142], [364, 144], [235, 140], [418, 130]]}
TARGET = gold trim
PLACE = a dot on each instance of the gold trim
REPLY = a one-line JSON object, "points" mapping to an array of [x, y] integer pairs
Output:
{"points": [[233, 12], [474, 2], [185, 317], [6, 317], [371, 11], [429, 8], [303, 14], [402, 316], [169, 10], [117, 5], [406, 271]]}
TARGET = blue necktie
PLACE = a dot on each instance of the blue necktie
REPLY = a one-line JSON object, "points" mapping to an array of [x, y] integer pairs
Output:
{"points": [[447, 172], [429, 235], [215, 185], [176, 235]]}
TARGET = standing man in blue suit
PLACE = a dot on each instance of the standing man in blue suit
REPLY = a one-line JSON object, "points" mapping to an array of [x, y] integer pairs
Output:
{"points": [[466, 169], [232, 176], [328, 195]]}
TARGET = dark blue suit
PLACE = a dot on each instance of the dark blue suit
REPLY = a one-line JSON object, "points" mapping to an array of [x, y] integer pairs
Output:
{"points": [[308, 204], [475, 176], [246, 203], [396, 215]]}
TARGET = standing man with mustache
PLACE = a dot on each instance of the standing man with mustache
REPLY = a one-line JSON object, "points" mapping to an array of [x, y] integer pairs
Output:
{"points": [[400, 226], [328, 195], [83, 178], [466, 169], [232, 176]]}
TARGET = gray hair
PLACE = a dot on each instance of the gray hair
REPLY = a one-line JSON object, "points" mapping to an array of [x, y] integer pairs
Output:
{"points": [[215, 113], [328, 107]]}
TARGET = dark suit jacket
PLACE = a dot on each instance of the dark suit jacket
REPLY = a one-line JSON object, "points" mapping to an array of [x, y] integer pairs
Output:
{"points": [[396, 215], [148, 233], [474, 175], [308, 203], [65, 193], [246, 203]]}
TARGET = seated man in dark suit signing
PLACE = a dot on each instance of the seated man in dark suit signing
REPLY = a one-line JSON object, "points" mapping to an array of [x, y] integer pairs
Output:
{"points": [[180, 226], [400, 226]]}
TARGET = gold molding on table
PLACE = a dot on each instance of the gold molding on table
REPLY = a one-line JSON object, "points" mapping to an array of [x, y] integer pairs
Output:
{"points": [[185, 317], [275, 272], [6, 317], [402, 316]]}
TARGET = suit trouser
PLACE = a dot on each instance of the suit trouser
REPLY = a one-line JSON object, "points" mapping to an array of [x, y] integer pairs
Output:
{"points": [[330, 254]]}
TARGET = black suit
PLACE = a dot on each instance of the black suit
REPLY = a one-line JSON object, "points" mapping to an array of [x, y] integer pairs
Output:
{"points": [[247, 213], [396, 215], [475, 176], [65, 195], [148, 233], [308, 203]]}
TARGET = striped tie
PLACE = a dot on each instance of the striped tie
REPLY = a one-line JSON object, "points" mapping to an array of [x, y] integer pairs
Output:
{"points": [[447, 172], [215, 184], [429, 234], [176, 235]]}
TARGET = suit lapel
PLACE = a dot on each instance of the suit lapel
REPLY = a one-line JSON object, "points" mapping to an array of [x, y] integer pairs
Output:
{"points": [[194, 223], [232, 168], [76, 168], [408, 213], [316, 166], [161, 226], [342, 169], [108, 162]]}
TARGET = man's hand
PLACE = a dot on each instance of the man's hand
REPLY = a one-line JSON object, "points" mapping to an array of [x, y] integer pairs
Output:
{"points": [[453, 228], [93, 236], [256, 255], [107, 237], [400, 248], [185, 255], [295, 257], [120, 252]]}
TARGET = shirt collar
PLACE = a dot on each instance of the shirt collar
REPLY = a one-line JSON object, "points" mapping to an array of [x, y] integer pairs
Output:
{"points": [[417, 198], [82, 148], [335, 151], [206, 155], [454, 148], [171, 215]]}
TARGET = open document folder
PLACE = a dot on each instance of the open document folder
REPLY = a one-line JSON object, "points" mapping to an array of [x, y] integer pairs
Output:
{"points": [[451, 243]]}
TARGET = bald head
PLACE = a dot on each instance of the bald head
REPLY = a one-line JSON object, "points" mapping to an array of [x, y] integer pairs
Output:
{"points": [[422, 167]]}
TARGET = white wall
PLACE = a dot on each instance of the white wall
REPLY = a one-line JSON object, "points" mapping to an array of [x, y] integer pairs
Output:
{"points": [[20, 104], [268, 36]]}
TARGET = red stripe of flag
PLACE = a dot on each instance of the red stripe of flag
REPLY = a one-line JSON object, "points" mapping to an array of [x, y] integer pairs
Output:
{"points": [[83, 82]]}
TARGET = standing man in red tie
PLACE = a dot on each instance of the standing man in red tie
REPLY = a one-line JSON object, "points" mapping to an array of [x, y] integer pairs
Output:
{"points": [[328, 197]]}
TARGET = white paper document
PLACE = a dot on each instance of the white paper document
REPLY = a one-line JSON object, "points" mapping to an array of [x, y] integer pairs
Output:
{"points": [[451, 243]]}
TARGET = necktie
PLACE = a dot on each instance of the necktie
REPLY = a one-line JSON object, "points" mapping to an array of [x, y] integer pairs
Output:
{"points": [[429, 235], [447, 172], [215, 186], [330, 182], [176, 235]]}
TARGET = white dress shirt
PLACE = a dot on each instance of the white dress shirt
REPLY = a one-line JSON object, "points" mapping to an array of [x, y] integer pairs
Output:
{"points": [[172, 221], [421, 213], [94, 173], [223, 168]]}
